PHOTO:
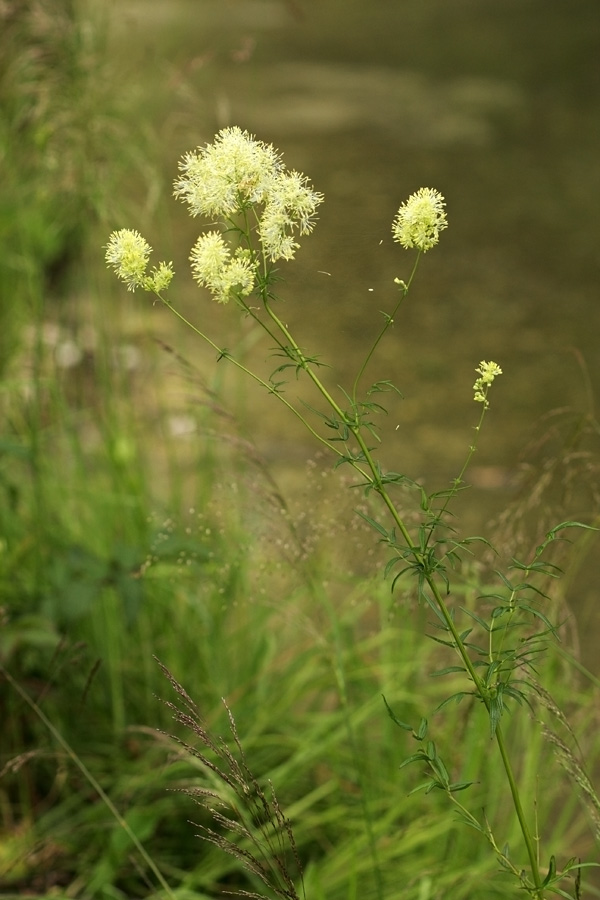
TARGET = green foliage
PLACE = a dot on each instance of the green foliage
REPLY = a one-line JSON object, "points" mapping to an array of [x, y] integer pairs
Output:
{"points": [[65, 136]]}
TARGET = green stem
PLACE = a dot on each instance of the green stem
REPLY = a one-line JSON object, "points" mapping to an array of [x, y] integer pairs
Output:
{"points": [[459, 479], [303, 362], [388, 323], [527, 837], [461, 649], [498, 734], [252, 375], [354, 428]]}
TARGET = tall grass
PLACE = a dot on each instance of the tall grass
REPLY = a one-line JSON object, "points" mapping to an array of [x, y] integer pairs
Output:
{"points": [[237, 604]]}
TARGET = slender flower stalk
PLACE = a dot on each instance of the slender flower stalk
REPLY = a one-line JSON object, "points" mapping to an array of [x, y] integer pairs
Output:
{"points": [[389, 321]]}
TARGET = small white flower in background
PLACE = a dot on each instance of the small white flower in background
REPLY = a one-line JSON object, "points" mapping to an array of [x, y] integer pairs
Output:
{"points": [[420, 219], [487, 371], [213, 267], [127, 252]]}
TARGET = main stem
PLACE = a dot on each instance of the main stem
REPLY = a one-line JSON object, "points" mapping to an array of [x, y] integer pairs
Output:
{"points": [[389, 320], [460, 647], [498, 734]]}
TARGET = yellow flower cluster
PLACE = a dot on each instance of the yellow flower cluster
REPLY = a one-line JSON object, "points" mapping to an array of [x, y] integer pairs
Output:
{"points": [[235, 170], [243, 183], [420, 219], [235, 174], [487, 371], [215, 268], [127, 252]]}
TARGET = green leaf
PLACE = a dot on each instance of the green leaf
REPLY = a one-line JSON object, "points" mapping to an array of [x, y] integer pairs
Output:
{"points": [[460, 786], [441, 771], [471, 821], [477, 618], [394, 718], [416, 757], [517, 695], [427, 786], [456, 697], [552, 534], [433, 785], [400, 574], [380, 528], [438, 640], [501, 611], [383, 387], [447, 671], [535, 612], [495, 711], [491, 671], [551, 872]]}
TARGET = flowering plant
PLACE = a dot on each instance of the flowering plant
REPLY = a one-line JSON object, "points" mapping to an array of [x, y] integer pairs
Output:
{"points": [[262, 209]]}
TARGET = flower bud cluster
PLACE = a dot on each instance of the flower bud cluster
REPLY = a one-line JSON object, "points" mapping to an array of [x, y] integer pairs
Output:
{"points": [[487, 371]]}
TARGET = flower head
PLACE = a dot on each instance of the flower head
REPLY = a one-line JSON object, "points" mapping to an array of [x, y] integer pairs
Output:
{"points": [[160, 278], [127, 252], [213, 267], [291, 205], [235, 169], [420, 219], [487, 371], [235, 172]]}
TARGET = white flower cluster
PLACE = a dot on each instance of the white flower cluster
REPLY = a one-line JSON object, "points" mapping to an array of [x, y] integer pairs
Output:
{"points": [[420, 219], [234, 171], [235, 174], [127, 252]]}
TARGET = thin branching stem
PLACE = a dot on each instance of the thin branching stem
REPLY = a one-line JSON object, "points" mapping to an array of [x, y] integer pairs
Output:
{"points": [[223, 354], [389, 321]]}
